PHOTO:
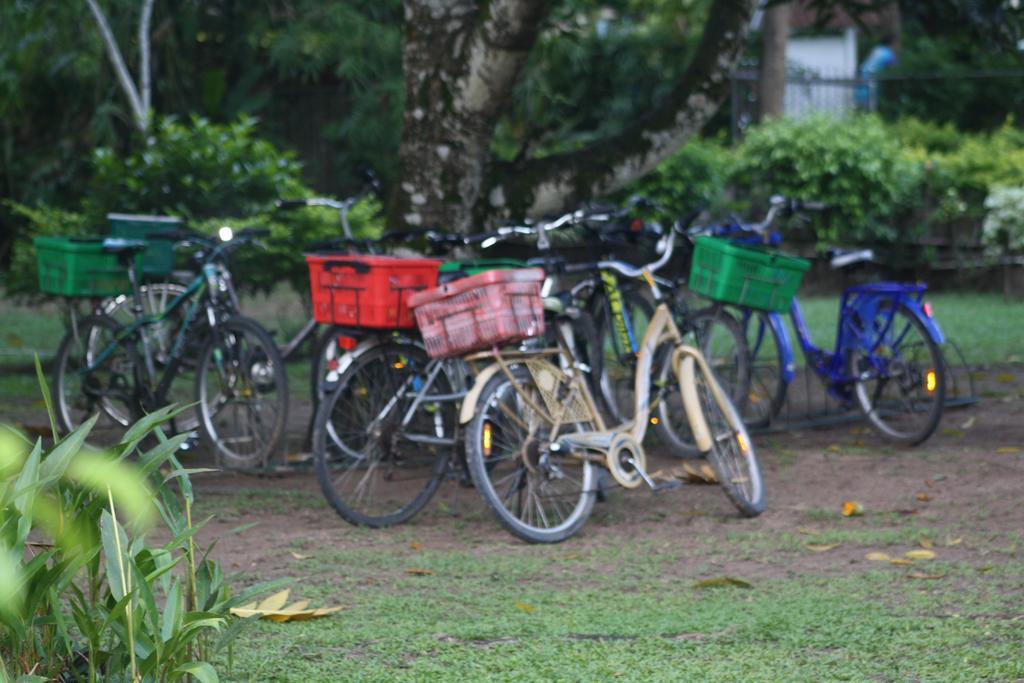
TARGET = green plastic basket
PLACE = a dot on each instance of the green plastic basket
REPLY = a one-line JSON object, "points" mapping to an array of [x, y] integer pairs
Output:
{"points": [[79, 267], [454, 270], [745, 276], [158, 259]]}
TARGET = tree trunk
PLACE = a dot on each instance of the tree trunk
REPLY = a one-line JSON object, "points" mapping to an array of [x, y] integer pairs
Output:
{"points": [[771, 95], [461, 60]]}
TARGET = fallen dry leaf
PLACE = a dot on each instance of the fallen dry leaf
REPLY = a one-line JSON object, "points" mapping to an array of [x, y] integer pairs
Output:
{"points": [[925, 542], [919, 555], [525, 607], [953, 541], [806, 531], [834, 448], [923, 497], [300, 556], [274, 608], [908, 511], [419, 572], [719, 581], [968, 423], [900, 562], [821, 547], [415, 546], [921, 575], [878, 557], [852, 508], [1008, 450]]}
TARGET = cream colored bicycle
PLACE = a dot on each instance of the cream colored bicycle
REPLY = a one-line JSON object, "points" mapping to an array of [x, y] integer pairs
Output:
{"points": [[535, 437]]}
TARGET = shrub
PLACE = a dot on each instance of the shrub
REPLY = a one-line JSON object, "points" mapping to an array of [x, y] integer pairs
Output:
{"points": [[196, 170], [852, 164], [693, 177], [1004, 222], [79, 588]]}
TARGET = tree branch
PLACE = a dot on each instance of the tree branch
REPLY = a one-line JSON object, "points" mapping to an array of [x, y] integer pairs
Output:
{"points": [[144, 72], [546, 185], [117, 61], [496, 54]]}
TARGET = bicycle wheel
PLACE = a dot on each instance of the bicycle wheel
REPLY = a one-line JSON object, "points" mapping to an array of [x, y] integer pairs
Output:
{"points": [[767, 389], [242, 391], [719, 337], [369, 467], [539, 495], [619, 362], [160, 336], [731, 453], [900, 382], [108, 388]]}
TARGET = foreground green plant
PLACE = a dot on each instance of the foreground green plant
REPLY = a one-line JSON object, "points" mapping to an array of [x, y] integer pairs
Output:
{"points": [[80, 587]]}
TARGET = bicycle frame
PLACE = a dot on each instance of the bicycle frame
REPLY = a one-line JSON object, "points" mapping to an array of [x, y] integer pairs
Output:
{"points": [[194, 292], [857, 305], [622, 444]]}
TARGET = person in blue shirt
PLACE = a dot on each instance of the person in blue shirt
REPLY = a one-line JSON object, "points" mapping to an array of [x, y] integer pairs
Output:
{"points": [[881, 57]]}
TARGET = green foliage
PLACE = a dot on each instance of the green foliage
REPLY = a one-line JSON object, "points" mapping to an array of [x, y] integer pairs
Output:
{"points": [[281, 259], [1004, 222], [22, 278], [926, 135], [852, 164], [80, 595], [195, 170], [695, 176]]}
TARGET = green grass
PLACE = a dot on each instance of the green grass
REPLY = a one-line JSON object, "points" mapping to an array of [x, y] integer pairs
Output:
{"points": [[632, 613]]}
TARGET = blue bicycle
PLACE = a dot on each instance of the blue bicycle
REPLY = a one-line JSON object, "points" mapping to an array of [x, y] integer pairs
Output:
{"points": [[886, 358]]}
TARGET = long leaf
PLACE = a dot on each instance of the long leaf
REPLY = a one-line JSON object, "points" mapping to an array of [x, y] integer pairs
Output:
{"points": [[47, 397], [201, 671], [170, 621], [114, 542], [101, 473], [58, 459]]}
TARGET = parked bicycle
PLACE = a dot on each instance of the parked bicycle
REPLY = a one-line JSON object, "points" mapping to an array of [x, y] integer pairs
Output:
{"points": [[229, 362], [535, 436], [886, 360], [392, 409]]}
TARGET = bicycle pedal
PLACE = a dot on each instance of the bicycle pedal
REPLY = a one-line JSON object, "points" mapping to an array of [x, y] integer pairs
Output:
{"points": [[667, 486]]}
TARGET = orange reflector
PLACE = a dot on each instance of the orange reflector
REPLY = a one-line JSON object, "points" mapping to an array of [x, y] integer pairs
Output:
{"points": [[654, 420], [930, 381], [398, 365], [487, 439], [742, 442]]}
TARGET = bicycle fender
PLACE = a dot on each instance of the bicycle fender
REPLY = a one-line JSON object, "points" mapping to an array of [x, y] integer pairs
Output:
{"points": [[930, 325], [786, 350], [694, 412], [469, 403]]}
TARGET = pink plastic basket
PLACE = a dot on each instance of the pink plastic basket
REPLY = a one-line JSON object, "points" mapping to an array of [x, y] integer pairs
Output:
{"points": [[477, 312]]}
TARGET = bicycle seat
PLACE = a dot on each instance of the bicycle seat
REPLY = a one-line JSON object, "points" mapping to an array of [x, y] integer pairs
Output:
{"points": [[118, 245], [842, 258]]}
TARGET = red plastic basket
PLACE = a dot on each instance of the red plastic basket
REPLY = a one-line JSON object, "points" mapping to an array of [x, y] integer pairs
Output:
{"points": [[477, 312], [367, 291]]}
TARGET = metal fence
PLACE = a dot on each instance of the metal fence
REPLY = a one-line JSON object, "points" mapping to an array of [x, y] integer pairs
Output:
{"points": [[974, 100]]}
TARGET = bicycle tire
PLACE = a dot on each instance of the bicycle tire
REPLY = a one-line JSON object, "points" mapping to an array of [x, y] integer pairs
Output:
{"points": [[719, 337], [488, 469], [731, 454], [247, 365], [767, 390], [160, 336], [911, 374], [409, 474], [78, 395]]}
